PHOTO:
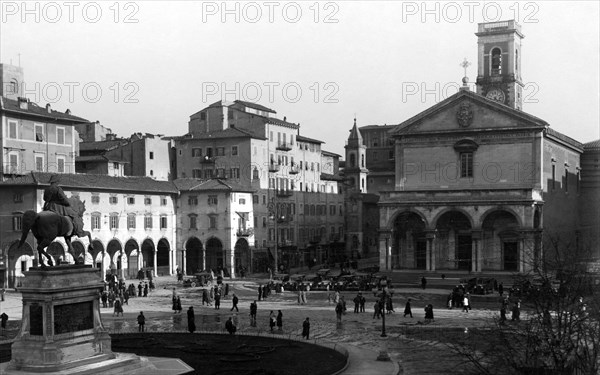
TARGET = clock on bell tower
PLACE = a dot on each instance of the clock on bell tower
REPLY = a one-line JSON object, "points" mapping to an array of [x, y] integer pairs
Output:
{"points": [[499, 62]]}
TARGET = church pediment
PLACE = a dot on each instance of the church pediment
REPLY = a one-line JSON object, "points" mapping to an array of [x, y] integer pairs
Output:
{"points": [[466, 111]]}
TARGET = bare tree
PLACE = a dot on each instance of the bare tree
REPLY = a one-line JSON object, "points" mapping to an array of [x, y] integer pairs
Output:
{"points": [[560, 332]]}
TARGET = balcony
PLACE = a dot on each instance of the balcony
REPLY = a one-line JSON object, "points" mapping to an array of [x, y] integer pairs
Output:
{"points": [[208, 160], [274, 167], [285, 193], [284, 147], [294, 169], [315, 239], [247, 232]]}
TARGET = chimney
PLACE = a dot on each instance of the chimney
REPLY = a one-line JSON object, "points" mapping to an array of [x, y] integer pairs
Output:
{"points": [[284, 118], [23, 103], [48, 108], [68, 111]]}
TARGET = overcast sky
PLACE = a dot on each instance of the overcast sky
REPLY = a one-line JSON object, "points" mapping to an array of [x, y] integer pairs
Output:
{"points": [[148, 65]]}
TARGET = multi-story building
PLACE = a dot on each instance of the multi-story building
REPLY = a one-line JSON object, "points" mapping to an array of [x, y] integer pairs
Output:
{"points": [[477, 180], [292, 179], [589, 203], [131, 220], [215, 225], [33, 138]]}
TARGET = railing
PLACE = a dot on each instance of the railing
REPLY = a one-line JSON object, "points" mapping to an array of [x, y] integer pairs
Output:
{"points": [[284, 147], [208, 160], [245, 232], [294, 170], [274, 167], [285, 193]]}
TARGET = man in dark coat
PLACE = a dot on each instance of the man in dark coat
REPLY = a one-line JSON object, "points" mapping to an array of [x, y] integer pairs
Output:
{"points": [[191, 319], [141, 319], [260, 292], [407, 309], [253, 309], [230, 327], [234, 301], [56, 201], [305, 328]]}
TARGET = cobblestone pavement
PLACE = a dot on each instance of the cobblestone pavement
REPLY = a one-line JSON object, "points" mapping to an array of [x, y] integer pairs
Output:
{"points": [[359, 330]]}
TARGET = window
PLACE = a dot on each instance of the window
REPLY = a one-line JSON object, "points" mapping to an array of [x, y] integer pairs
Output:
{"points": [[39, 163], [193, 220], [578, 180], [242, 201], [96, 220], [131, 221], [220, 151], [212, 222], [208, 173], [264, 199], [221, 173], [466, 164], [255, 174], [264, 221], [130, 200], [196, 173], [271, 136], [163, 201], [60, 136], [148, 201], [39, 132], [12, 129], [209, 152], [196, 152], [212, 200], [566, 180], [193, 200], [17, 222], [332, 209], [116, 165], [148, 221], [113, 199], [255, 221], [255, 199], [18, 197], [496, 61], [235, 173], [60, 164], [202, 116], [95, 198], [114, 221], [553, 176], [151, 156], [234, 150], [340, 210], [163, 222]]}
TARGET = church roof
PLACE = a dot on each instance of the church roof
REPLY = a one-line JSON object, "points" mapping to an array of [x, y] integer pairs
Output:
{"points": [[405, 126]]}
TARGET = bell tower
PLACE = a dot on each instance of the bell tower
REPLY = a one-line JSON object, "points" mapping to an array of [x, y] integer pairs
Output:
{"points": [[356, 153], [499, 62]]}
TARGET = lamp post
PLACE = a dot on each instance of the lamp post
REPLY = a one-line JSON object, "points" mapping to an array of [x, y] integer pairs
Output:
{"points": [[273, 216]]}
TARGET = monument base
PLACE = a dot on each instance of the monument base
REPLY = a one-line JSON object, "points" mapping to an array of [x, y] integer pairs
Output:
{"points": [[121, 363], [62, 332]]}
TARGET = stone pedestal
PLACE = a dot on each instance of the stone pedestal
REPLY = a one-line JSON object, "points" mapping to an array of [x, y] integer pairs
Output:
{"points": [[61, 329]]}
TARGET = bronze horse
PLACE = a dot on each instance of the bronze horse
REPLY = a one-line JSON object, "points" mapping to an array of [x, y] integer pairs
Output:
{"points": [[47, 225]]}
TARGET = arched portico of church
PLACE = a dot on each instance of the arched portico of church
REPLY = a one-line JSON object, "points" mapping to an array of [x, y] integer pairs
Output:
{"points": [[469, 238]]}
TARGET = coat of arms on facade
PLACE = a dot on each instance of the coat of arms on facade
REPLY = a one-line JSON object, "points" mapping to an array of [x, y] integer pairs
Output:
{"points": [[464, 115]]}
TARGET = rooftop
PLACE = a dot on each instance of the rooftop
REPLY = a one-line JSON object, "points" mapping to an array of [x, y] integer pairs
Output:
{"points": [[12, 106]]}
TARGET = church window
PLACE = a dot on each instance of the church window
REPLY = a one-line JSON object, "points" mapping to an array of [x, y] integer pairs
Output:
{"points": [[496, 61], [553, 176], [566, 180], [352, 160], [362, 161], [466, 164], [516, 60]]}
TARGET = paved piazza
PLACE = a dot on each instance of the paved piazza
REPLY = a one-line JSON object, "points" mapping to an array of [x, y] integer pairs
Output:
{"points": [[360, 333]]}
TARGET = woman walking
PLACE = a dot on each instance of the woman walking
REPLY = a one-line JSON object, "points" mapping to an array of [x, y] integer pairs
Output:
{"points": [[279, 320]]}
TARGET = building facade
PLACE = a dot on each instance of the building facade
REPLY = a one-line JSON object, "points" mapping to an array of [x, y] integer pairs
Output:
{"points": [[131, 221]]}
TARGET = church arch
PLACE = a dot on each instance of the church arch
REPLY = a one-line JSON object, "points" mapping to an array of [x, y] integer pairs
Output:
{"points": [[163, 257], [214, 254], [132, 255], [408, 240], [454, 239], [148, 250], [501, 240], [242, 256], [194, 254]]}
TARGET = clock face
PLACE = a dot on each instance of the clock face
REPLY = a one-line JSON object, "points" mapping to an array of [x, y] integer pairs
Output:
{"points": [[496, 94]]}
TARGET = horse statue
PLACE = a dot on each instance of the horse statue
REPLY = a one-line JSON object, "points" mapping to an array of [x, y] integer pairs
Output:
{"points": [[47, 225]]}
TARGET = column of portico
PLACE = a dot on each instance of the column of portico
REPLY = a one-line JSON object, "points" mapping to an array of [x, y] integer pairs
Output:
{"points": [[155, 266], [430, 252], [476, 257], [183, 262], [102, 267], [384, 249]]}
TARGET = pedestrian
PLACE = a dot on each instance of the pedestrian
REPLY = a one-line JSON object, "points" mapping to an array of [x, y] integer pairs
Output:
{"points": [[226, 289], [178, 305], [126, 297], [423, 282], [145, 289], [305, 329], [279, 320], [205, 297], [253, 309], [140, 288], [141, 319], [234, 300], [230, 327], [2, 291], [339, 310], [343, 301], [356, 301], [376, 311], [259, 292], [516, 311], [3, 320], [363, 300], [429, 313], [217, 299], [118, 308], [272, 320], [407, 310], [466, 303], [503, 311], [389, 305], [191, 319], [104, 298], [501, 289], [111, 299], [174, 303]]}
